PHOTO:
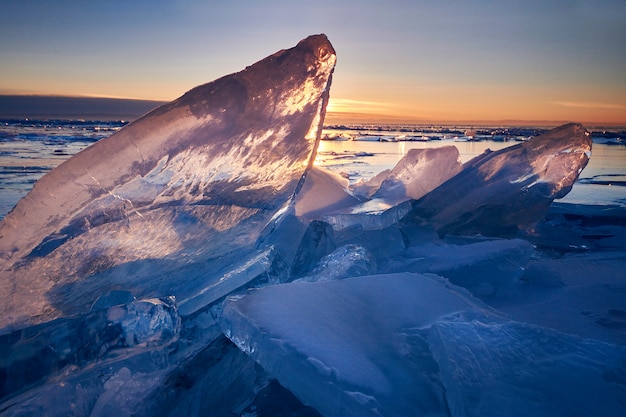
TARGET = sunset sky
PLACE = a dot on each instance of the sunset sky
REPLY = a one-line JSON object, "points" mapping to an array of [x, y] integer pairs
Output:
{"points": [[398, 60]]}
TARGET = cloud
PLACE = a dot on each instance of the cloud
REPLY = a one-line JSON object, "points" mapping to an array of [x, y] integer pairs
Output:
{"points": [[590, 105], [345, 110], [346, 105]]}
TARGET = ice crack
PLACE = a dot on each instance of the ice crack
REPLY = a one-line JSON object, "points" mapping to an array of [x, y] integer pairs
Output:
{"points": [[119, 197], [138, 150]]}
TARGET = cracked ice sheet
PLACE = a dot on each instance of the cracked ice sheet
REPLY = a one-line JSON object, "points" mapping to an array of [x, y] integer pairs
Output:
{"points": [[516, 369], [356, 347], [577, 293]]}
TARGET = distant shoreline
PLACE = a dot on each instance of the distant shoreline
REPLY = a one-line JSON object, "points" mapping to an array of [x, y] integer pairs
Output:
{"points": [[73, 108]]}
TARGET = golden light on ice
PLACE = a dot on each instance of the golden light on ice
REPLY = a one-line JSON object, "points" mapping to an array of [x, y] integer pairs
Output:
{"points": [[330, 107]]}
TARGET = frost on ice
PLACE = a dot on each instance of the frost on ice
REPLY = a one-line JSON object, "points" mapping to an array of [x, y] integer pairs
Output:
{"points": [[195, 263]]}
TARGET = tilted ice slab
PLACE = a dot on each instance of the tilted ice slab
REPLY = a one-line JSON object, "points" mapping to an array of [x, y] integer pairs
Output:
{"points": [[498, 193], [419, 172], [323, 191], [173, 196], [355, 347], [416, 174]]}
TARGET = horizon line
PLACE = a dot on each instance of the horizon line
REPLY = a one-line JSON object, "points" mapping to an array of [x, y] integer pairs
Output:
{"points": [[137, 107]]}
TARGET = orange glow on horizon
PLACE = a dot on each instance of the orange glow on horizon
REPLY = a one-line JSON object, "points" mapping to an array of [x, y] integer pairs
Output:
{"points": [[487, 111]]}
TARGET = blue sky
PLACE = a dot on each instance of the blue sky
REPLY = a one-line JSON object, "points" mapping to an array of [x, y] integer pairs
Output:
{"points": [[421, 60]]}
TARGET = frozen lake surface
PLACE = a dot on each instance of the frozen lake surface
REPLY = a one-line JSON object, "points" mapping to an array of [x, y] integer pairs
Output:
{"points": [[390, 321]]}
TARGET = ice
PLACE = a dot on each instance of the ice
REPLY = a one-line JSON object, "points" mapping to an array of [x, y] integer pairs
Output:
{"points": [[317, 241], [597, 226], [288, 249], [159, 205], [240, 273], [322, 192], [382, 243], [205, 267], [217, 380], [574, 281], [113, 298], [582, 293], [192, 201], [410, 344], [344, 262], [31, 354], [107, 404], [151, 322], [220, 380], [499, 193], [419, 172], [353, 347], [483, 267], [516, 369], [375, 214]]}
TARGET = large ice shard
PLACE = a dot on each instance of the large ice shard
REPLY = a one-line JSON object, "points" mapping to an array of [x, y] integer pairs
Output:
{"points": [[498, 193], [157, 207]]}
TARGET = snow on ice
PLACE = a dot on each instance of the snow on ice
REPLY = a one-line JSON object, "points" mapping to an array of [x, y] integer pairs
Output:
{"points": [[204, 267]]}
